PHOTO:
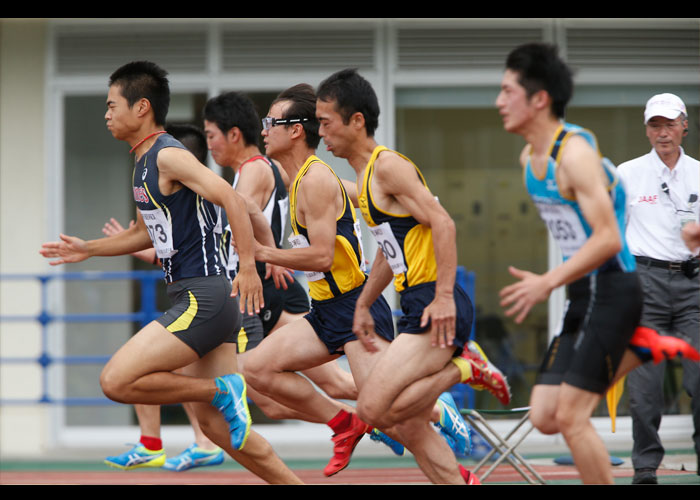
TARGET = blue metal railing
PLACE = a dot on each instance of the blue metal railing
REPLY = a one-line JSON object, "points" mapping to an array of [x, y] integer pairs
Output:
{"points": [[147, 312]]}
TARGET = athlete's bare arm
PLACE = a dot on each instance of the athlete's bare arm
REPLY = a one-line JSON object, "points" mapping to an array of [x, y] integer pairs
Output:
{"points": [[691, 236], [178, 165], [396, 183], [319, 203], [70, 249], [581, 176], [112, 227], [379, 278], [256, 183]]}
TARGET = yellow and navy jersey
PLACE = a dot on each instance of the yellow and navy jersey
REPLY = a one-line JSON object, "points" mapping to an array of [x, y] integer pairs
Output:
{"points": [[347, 271], [181, 225], [406, 243]]}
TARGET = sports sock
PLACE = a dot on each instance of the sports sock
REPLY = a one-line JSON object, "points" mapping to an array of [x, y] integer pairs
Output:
{"points": [[340, 422], [465, 368], [151, 443]]}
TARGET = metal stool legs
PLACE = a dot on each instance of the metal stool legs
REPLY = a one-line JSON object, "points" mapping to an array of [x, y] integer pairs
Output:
{"points": [[500, 445]]}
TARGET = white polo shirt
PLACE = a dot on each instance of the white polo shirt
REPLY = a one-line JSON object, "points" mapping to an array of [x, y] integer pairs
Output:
{"points": [[659, 202]]}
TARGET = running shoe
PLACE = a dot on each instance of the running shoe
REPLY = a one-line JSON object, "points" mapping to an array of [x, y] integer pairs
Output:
{"points": [[194, 456], [379, 437], [470, 478], [136, 457], [344, 444], [485, 375], [231, 400], [649, 345], [453, 425]]}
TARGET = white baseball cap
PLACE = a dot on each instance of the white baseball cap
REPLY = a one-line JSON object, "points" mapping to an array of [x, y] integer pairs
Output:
{"points": [[667, 105]]}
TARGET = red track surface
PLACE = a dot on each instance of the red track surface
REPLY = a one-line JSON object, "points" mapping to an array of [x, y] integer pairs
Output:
{"points": [[502, 475]]}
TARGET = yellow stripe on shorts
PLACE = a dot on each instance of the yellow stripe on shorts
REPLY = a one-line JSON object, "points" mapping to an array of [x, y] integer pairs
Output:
{"points": [[185, 319], [242, 340]]}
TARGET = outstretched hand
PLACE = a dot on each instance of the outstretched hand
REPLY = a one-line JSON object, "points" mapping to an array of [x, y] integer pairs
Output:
{"points": [[523, 295], [691, 236], [280, 275], [68, 250], [112, 227]]}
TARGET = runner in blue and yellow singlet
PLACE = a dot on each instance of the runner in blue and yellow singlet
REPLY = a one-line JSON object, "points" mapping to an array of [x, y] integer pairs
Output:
{"points": [[580, 199]]}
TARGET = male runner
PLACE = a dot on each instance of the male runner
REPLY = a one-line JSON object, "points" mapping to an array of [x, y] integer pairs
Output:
{"points": [[149, 451], [232, 127], [579, 197], [174, 194], [327, 247], [430, 352]]}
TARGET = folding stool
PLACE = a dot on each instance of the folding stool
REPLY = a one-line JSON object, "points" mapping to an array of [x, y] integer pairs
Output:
{"points": [[500, 444]]}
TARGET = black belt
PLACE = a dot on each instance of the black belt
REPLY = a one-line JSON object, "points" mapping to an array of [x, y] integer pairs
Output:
{"points": [[689, 267]]}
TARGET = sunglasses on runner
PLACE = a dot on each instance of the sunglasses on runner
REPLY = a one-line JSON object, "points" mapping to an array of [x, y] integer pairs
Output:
{"points": [[268, 122]]}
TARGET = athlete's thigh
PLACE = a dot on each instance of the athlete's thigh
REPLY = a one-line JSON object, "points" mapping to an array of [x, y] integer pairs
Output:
{"points": [[410, 357], [152, 349], [294, 347], [361, 361], [284, 319], [219, 361], [543, 404]]}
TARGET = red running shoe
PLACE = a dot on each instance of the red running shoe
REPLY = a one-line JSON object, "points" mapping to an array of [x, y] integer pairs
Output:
{"points": [[647, 343], [470, 478], [344, 444], [485, 375]]}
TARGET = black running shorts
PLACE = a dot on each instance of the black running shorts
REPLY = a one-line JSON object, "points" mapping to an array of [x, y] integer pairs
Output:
{"points": [[294, 300], [603, 312], [203, 315]]}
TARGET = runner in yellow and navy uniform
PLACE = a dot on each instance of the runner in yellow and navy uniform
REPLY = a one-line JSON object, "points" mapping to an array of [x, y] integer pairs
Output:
{"points": [[407, 246], [333, 293]]}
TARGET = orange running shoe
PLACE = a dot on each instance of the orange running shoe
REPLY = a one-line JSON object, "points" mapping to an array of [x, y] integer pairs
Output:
{"points": [[649, 345], [485, 375], [344, 444], [470, 478]]}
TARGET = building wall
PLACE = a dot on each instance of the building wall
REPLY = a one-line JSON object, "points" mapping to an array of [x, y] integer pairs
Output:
{"points": [[22, 224]]}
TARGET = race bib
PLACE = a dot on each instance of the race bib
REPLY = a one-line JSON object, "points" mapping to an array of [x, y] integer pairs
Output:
{"points": [[160, 231], [300, 241], [389, 246], [358, 232], [284, 213], [232, 264], [565, 227]]}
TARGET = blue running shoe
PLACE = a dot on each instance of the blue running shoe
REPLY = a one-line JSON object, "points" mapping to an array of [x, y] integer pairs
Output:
{"points": [[136, 457], [380, 437], [194, 456], [453, 425], [231, 400]]}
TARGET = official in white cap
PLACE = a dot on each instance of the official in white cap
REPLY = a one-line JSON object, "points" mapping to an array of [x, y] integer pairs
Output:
{"points": [[662, 197]]}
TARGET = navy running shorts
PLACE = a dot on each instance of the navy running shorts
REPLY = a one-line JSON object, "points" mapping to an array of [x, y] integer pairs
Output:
{"points": [[416, 298], [203, 314], [332, 319], [603, 311]]}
